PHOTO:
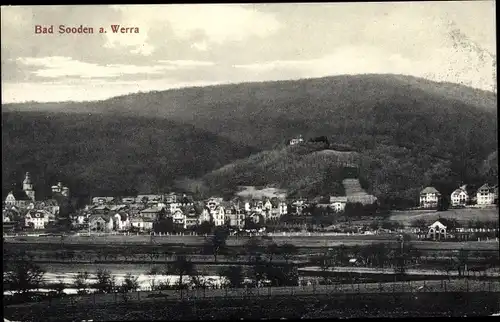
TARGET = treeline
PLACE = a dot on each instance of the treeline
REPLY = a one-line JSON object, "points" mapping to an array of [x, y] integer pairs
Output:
{"points": [[107, 155]]}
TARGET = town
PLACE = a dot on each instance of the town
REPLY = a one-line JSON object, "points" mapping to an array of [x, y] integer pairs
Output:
{"points": [[179, 213]]}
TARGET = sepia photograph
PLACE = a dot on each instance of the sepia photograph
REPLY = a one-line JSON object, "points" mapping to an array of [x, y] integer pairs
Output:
{"points": [[249, 161]]}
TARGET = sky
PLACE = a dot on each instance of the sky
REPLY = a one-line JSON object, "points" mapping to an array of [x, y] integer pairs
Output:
{"points": [[198, 45]]}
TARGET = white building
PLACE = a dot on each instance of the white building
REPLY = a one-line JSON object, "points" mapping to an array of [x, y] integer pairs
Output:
{"points": [[486, 195], [437, 231], [459, 197], [338, 203], [429, 197], [297, 140]]}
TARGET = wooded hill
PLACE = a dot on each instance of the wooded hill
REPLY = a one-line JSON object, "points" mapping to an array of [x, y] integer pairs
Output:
{"points": [[410, 132]]}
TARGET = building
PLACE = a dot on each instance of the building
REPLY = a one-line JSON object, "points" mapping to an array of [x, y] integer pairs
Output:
{"points": [[486, 195], [60, 190], [102, 200], [38, 219], [429, 198], [338, 203], [143, 224], [459, 197], [101, 222], [439, 230], [296, 140], [28, 187], [152, 213], [213, 212], [17, 198], [22, 198]]}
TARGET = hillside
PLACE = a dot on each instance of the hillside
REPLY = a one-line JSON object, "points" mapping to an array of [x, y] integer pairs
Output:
{"points": [[305, 170], [410, 132], [98, 154]]}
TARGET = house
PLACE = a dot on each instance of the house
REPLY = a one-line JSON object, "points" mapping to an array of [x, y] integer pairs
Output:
{"points": [[338, 203], [141, 223], [17, 198], [459, 197], [102, 200], [213, 211], [299, 206], [234, 216], [191, 216], [152, 213], [100, 222], [486, 195], [22, 198], [121, 221], [438, 230], [429, 197], [179, 218], [171, 198], [38, 219], [60, 190], [149, 199], [296, 140]]}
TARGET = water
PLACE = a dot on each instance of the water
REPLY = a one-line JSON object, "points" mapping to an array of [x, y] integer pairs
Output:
{"points": [[145, 281]]}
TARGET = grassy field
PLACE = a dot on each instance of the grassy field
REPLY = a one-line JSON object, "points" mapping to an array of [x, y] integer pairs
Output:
{"points": [[375, 302], [313, 241], [463, 216]]}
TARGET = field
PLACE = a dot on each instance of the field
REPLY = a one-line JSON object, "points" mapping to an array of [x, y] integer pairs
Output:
{"points": [[463, 216], [313, 241], [388, 301]]}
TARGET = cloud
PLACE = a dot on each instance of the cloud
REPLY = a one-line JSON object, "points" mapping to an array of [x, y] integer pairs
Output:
{"points": [[186, 63], [216, 23], [448, 64], [87, 89], [57, 66]]}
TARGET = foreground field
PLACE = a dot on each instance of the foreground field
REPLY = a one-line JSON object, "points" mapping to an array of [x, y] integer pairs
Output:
{"points": [[322, 304], [463, 216]]}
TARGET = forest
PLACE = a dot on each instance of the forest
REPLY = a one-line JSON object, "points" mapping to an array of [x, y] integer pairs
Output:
{"points": [[408, 133]]}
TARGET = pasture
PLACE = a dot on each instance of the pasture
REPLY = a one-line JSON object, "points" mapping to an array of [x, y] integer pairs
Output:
{"points": [[463, 216]]}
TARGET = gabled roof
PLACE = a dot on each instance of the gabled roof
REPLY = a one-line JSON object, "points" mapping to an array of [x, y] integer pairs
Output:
{"points": [[105, 217], [20, 195], [459, 190], [151, 210], [429, 190]]}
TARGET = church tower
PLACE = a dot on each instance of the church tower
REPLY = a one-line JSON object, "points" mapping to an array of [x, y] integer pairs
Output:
{"points": [[28, 187]]}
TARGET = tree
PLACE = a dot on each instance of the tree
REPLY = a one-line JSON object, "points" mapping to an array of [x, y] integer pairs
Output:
{"points": [[217, 242], [59, 287], [463, 261], [105, 282], [181, 266], [232, 275], [23, 276], [81, 282], [130, 283], [374, 225], [205, 228], [325, 262], [253, 247], [272, 249], [288, 250], [153, 272]]}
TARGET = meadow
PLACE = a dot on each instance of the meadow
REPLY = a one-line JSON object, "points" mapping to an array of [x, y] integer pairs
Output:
{"points": [[463, 216]]}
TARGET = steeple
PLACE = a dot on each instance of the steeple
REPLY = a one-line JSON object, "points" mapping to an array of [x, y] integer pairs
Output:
{"points": [[28, 187]]}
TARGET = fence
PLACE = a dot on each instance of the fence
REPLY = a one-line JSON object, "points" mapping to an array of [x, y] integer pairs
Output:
{"points": [[309, 290]]}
